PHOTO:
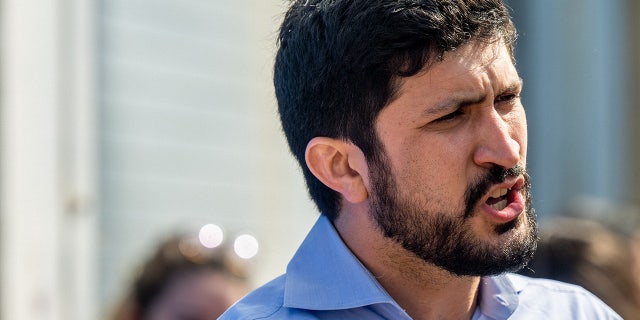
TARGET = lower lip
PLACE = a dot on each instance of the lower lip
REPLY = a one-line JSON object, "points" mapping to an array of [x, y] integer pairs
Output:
{"points": [[510, 212]]}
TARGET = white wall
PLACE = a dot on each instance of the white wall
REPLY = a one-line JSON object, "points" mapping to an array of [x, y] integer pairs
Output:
{"points": [[124, 121], [189, 133], [47, 189]]}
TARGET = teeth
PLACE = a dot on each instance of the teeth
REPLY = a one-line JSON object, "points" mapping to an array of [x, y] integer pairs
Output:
{"points": [[500, 205], [499, 192]]}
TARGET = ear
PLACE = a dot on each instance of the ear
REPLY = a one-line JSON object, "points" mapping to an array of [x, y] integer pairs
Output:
{"points": [[340, 165]]}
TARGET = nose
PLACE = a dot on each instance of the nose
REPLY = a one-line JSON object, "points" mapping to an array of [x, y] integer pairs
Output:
{"points": [[497, 141]]}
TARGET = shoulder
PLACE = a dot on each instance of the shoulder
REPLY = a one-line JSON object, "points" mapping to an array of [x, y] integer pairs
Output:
{"points": [[261, 303], [266, 302], [526, 285], [558, 298]]}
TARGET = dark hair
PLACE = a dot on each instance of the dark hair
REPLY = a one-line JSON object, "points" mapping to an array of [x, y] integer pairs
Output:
{"points": [[339, 62]]}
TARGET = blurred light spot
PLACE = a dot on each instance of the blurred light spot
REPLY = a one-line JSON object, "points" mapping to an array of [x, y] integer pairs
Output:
{"points": [[245, 246], [211, 235]]}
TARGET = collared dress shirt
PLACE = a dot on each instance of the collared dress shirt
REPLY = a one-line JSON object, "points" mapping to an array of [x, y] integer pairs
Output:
{"points": [[324, 280]]}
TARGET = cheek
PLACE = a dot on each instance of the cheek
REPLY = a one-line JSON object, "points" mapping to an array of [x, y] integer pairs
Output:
{"points": [[523, 147], [525, 136], [435, 168], [519, 132]]}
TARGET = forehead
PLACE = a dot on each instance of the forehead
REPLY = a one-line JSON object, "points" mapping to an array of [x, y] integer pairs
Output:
{"points": [[472, 67], [473, 74]]}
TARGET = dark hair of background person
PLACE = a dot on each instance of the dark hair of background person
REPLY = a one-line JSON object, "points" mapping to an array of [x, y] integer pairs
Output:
{"points": [[169, 283], [592, 255], [340, 62]]}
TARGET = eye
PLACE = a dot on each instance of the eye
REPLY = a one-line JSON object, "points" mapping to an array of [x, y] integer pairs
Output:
{"points": [[449, 117], [507, 97]]}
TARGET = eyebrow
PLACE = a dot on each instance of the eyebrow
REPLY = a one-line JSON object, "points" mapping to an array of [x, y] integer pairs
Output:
{"points": [[456, 102], [453, 103], [517, 85]]}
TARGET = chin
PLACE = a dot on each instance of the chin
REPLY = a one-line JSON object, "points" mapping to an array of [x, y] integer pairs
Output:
{"points": [[511, 226]]}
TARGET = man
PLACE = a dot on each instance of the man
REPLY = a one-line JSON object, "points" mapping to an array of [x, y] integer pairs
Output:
{"points": [[406, 119]]}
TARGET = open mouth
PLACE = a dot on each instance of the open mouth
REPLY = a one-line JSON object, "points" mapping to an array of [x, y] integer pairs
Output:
{"points": [[505, 201], [499, 198]]}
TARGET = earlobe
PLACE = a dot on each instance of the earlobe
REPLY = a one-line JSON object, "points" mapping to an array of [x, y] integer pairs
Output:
{"points": [[339, 165]]}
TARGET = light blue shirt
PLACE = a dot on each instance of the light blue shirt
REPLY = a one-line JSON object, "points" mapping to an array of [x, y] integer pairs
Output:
{"points": [[324, 280]]}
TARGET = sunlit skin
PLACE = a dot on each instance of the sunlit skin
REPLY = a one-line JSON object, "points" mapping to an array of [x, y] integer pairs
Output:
{"points": [[446, 126], [453, 122]]}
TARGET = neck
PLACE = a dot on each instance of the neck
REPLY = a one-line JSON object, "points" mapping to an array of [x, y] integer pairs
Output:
{"points": [[422, 289], [438, 296]]}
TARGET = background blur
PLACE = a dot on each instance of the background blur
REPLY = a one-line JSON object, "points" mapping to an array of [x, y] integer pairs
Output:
{"points": [[123, 122]]}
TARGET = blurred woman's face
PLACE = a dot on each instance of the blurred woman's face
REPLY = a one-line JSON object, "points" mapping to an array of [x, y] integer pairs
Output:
{"points": [[203, 295]]}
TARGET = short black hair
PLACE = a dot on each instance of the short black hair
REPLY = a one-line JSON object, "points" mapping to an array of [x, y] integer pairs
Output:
{"points": [[339, 62]]}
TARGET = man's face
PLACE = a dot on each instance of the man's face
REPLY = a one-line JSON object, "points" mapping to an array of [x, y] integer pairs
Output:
{"points": [[451, 186]]}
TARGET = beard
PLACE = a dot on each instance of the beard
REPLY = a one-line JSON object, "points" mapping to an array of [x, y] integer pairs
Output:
{"points": [[447, 239]]}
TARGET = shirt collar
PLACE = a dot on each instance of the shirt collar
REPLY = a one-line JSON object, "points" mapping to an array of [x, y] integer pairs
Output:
{"points": [[325, 275], [498, 296]]}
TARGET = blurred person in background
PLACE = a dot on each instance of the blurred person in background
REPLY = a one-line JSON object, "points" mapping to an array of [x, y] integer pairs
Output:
{"points": [[593, 255], [184, 280], [406, 119]]}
